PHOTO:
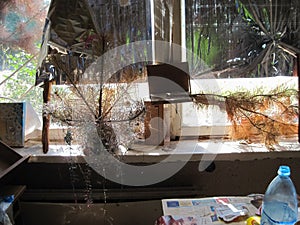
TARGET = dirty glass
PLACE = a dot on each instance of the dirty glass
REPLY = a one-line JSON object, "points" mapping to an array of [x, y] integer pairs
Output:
{"points": [[79, 33], [21, 26], [240, 38], [249, 39]]}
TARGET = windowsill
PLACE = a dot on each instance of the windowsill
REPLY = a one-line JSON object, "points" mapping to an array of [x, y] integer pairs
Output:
{"points": [[223, 148], [191, 149]]}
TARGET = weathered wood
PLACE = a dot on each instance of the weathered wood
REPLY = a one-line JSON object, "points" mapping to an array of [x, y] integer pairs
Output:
{"points": [[296, 73], [46, 117]]}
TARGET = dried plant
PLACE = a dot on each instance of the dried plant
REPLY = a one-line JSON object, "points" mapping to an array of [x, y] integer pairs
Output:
{"points": [[121, 113], [257, 116]]}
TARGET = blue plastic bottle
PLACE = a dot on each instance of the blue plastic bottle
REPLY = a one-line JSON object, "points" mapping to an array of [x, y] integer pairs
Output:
{"points": [[280, 200]]}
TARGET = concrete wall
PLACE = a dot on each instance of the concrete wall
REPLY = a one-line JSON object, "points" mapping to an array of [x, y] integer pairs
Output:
{"points": [[51, 197]]}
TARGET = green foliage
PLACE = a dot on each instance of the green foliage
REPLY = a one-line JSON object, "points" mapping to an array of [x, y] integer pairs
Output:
{"points": [[205, 47], [244, 11], [20, 87]]}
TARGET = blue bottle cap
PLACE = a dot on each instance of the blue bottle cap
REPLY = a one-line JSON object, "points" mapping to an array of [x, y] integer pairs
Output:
{"points": [[284, 171]]}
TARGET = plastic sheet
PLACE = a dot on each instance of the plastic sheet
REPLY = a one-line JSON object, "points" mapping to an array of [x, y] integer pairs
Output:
{"points": [[32, 120], [76, 34]]}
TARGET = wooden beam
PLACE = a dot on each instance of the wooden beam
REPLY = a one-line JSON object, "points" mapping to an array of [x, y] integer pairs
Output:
{"points": [[176, 32], [296, 72], [46, 117]]}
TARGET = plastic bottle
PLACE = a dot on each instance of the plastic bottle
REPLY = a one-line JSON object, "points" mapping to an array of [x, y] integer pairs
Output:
{"points": [[280, 200]]}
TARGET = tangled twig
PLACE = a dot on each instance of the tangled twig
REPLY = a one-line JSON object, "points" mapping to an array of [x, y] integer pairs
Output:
{"points": [[261, 116]]}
